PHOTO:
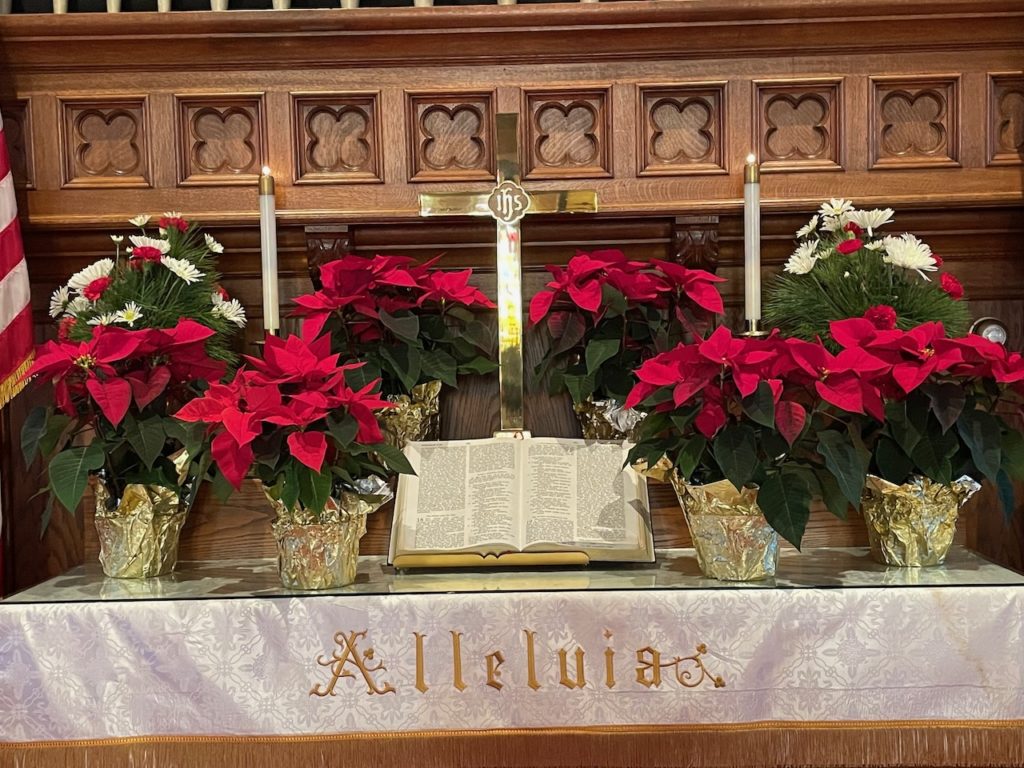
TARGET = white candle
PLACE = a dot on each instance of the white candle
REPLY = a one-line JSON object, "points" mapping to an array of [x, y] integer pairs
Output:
{"points": [[752, 239], [268, 251]]}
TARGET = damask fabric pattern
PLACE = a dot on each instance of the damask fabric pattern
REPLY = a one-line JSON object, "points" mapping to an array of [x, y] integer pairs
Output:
{"points": [[247, 666]]}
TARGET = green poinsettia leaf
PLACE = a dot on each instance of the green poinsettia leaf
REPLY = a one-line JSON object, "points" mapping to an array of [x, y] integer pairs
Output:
{"points": [[147, 438], [394, 458], [580, 387], [69, 473], [893, 464], [845, 462], [32, 432], [478, 365], [438, 364], [688, 458], [760, 406], [947, 401], [1013, 454], [314, 488], [600, 351], [981, 432], [405, 363], [735, 450], [406, 327], [785, 500]]}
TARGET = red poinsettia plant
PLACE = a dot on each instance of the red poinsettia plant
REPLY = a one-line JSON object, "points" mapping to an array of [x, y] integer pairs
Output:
{"points": [[758, 412], [293, 418], [408, 322], [115, 395], [934, 406], [603, 315]]}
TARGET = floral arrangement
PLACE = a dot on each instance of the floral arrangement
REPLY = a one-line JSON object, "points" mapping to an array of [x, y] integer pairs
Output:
{"points": [[138, 336], [755, 412], [408, 322], [843, 268], [936, 407], [603, 315], [294, 420]]}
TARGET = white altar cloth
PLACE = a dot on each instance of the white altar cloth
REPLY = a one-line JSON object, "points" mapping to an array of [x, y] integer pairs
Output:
{"points": [[842, 640]]}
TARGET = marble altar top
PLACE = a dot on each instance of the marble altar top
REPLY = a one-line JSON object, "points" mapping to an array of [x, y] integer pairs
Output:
{"points": [[822, 568]]}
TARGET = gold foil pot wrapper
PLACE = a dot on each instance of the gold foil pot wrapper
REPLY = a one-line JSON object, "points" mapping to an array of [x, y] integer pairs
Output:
{"points": [[139, 534], [913, 524], [733, 539], [663, 470], [608, 420], [321, 550], [415, 417]]}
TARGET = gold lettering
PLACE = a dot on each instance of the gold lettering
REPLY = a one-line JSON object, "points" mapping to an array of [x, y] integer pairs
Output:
{"points": [[531, 660], [457, 680], [649, 660], [609, 667], [421, 681], [563, 667], [350, 655], [494, 662]]}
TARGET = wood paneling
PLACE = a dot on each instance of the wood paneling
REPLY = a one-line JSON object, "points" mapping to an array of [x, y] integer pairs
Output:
{"points": [[653, 105]]}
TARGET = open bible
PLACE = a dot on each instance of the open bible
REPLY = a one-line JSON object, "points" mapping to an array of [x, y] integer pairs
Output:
{"points": [[505, 502]]}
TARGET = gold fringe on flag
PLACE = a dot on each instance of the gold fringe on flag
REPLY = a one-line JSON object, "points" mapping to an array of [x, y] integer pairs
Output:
{"points": [[16, 382]]}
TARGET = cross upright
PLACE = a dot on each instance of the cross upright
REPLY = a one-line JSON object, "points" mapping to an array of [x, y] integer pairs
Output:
{"points": [[507, 203]]}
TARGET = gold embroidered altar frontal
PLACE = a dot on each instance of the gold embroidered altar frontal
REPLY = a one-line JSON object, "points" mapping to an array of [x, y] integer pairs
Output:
{"points": [[839, 661]]}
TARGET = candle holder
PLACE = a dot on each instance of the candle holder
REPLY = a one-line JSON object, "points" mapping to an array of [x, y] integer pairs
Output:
{"points": [[753, 329]]}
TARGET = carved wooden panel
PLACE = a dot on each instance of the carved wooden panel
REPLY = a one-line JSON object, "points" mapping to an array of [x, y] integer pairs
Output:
{"points": [[695, 242], [681, 129], [451, 136], [1006, 120], [337, 138], [105, 143], [568, 134], [221, 139], [915, 122], [18, 135], [798, 125], [325, 244]]}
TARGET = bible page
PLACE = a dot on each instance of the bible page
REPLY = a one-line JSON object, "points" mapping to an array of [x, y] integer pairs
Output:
{"points": [[460, 499]]}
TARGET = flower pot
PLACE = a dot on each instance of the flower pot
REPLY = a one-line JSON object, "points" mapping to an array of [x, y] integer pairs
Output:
{"points": [[912, 525], [321, 551], [139, 532], [733, 540], [607, 420], [414, 417]]}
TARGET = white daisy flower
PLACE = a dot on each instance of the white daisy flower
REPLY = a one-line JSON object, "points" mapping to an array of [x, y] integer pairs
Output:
{"points": [[833, 223], [876, 245], [129, 314], [117, 238], [107, 318], [59, 301], [836, 208], [139, 221], [809, 228], [213, 245], [183, 268], [141, 241], [907, 252], [232, 311], [101, 268], [803, 259], [78, 305], [871, 220]]}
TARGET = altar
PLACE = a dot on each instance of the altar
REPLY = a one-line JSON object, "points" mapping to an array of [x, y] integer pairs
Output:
{"points": [[635, 665]]}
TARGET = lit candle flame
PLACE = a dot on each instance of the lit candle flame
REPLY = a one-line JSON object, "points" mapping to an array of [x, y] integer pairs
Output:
{"points": [[266, 170], [751, 159]]}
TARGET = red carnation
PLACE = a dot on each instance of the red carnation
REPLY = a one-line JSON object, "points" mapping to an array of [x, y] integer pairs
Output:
{"points": [[166, 222], [938, 260], [143, 253], [952, 286], [64, 327], [223, 294], [883, 317], [94, 290], [850, 246], [852, 227]]}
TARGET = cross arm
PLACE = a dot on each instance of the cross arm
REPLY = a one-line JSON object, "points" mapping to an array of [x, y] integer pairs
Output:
{"points": [[565, 201], [454, 204]]}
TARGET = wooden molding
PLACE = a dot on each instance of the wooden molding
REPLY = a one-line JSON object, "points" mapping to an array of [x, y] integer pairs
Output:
{"points": [[681, 129]]}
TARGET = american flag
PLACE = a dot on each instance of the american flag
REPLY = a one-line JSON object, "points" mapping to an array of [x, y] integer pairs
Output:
{"points": [[15, 304]]}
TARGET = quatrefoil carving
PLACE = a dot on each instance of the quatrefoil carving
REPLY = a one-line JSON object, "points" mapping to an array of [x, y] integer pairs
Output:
{"points": [[225, 140], [913, 124], [107, 142], [682, 130], [567, 134], [796, 126], [1011, 121], [17, 144], [452, 137], [338, 139]]}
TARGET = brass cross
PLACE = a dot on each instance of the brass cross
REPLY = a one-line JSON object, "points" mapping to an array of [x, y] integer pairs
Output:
{"points": [[507, 203]]}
